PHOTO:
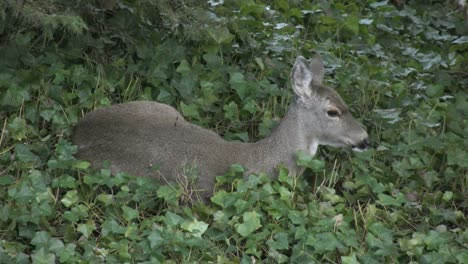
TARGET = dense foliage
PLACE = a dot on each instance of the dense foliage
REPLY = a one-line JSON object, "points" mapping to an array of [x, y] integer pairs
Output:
{"points": [[225, 65]]}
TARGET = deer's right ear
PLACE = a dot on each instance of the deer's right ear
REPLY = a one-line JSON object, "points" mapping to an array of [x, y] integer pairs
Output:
{"points": [[317, 69], [301, 78]]}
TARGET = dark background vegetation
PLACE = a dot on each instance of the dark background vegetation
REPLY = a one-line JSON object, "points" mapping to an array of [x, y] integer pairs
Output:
{"points": [[225, 65]]}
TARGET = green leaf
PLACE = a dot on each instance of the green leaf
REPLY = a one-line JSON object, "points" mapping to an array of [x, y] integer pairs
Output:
{"points": [[42, 257], [280, 241], [155, 239], [461, 40], [76, 213], [64, 150], [87, 229], [285, 194], [81, 164], [143, 50], [190, 111], [168, 194], [67, 254], [231, 111], [434, 90], [324, 242], [351, 22], [106, 199], [260, 63], [305, 160], [41, 239], [14, 96], [172, 219], [365, 21], [6, 180], [220, 35], [387, 200], [239, 84], [250, 106], [185, 85], [457, 156], [70, 198], [129, 213], [349, 259], [65, 181], [197, 228], [251, 222], [24, 154], [379, 4], [56, 245], [223, 199], [448, 195], [184, 67], [18, 128], [111, 227], [283, 176]]}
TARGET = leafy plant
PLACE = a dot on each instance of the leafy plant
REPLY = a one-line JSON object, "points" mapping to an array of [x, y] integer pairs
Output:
{"points": [[225, 65]]}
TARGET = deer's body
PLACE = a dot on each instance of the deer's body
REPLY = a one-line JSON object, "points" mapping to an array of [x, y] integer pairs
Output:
{"points": [[138, 137]]}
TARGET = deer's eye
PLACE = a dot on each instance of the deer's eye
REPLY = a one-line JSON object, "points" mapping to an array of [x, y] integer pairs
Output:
{"points": [[333, 113]]}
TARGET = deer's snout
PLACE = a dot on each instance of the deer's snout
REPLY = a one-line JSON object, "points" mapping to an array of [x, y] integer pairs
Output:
{"points": [[362, 145]]}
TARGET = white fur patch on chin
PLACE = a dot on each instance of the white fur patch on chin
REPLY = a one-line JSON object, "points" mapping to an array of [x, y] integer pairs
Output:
{"points": [[358, 149], [313, 148]]}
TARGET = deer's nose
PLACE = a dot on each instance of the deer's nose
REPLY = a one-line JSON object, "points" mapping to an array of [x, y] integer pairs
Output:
{"points": [[364, 144]]}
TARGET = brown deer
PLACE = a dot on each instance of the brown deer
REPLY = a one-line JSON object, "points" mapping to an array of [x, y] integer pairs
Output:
{"points": [[138, 137]]}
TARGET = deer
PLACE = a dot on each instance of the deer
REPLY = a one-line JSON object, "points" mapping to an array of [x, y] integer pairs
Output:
{"points": [[147, 138]]}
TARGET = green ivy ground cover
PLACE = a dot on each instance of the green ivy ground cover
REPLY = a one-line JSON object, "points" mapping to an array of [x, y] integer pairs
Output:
{"points": [[225, 65]]}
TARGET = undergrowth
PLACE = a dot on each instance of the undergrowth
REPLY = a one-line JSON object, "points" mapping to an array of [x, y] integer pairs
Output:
{"points": [[225, 65]]}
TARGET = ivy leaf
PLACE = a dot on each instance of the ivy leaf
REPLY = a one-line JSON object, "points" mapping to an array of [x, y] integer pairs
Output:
{"points": [[305, 160], [41, 239], [387, 200], [18, 129], [24, 154], [87, 229], [172, 219], [42, 257], [238, 84], [223, 199], [190, 111], [220, 35], [280, 241], [366, 21], [349, 259], [71, 197], [129, 213], [197, 228], [168, 194], [251, 222], [250, 106], [184, 67], [155, 239], [351, 22], [65, 181], [461, 40], [106, 199], [457, 156], [231, 111], [67, 254]]}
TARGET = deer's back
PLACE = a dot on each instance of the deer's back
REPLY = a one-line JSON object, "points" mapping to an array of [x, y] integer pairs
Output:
{"points": [[149, 138]]}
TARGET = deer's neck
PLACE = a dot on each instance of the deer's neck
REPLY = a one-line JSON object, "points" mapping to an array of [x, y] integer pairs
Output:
{"points": [[279, 148]]}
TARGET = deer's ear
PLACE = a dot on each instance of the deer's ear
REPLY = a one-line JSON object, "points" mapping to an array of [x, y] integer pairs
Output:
{"points": [[317, 70], [301, 78]]}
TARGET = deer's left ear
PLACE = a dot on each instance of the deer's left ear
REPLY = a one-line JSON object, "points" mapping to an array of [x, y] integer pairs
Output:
{"points": [[301, 78], [305, 74]]}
